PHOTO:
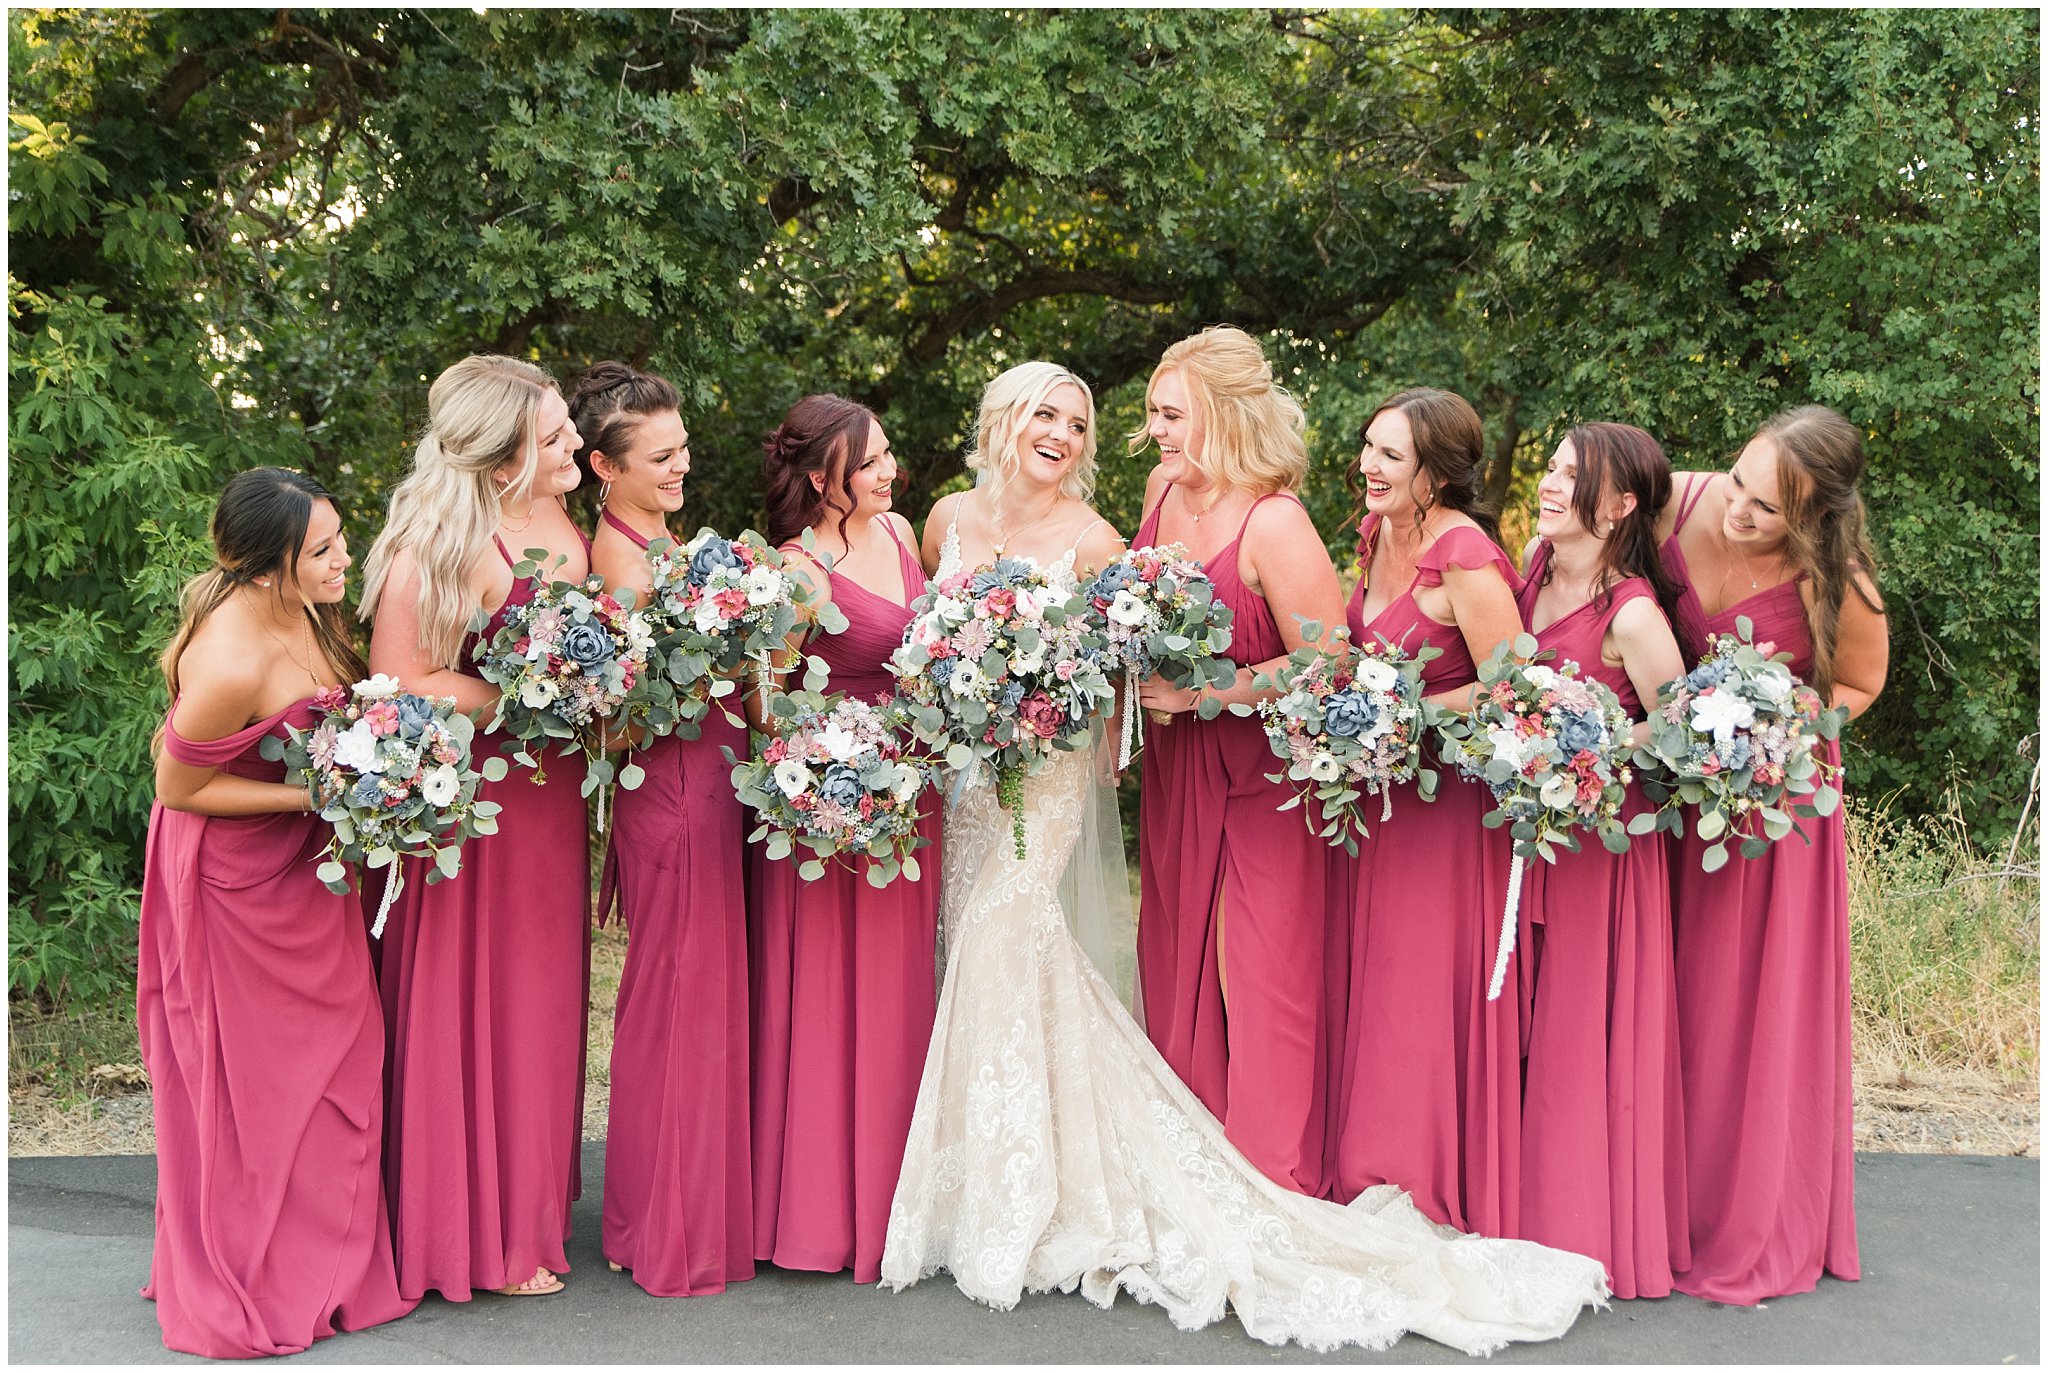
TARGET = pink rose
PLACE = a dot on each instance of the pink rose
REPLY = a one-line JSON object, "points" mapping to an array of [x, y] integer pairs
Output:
{"points": [[1065, 669]]}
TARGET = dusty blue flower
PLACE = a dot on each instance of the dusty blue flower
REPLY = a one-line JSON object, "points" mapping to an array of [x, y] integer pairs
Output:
{"points": [[1581, 731], [1348, 714], [1707, 674], [414, 714], [715, 554], [841, 785], [588, 647]]}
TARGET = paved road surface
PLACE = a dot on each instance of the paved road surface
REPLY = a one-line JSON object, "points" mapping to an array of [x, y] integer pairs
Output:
{"points": [[1951, 1254]]}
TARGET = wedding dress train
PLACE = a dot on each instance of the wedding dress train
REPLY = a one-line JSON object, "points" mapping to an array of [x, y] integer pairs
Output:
{"points": [[1051, 1148]]}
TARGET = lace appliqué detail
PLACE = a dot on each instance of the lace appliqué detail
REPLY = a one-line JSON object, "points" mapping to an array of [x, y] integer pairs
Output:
{"points": [[1052, 1148]]}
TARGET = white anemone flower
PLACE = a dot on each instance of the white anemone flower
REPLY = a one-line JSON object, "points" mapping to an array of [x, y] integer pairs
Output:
{"points": [[966, 679], [1127, 609], [764, 586], [440, 786], [1560, 791], [537, 692], [1375, 675], [1324, 768], [792, 778]]}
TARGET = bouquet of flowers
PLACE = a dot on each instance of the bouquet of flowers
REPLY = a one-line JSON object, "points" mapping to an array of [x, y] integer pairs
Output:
{"points": [[565, 663], [838, 780], [999, 668], [1736, 737], [716, 603], [1348, 726], [1554, 749], [1156, 610], [391, 772]]}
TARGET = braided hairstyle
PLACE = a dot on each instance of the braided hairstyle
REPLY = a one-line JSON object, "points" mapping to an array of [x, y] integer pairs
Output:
{"points": [[821, 435], [607, 407]]}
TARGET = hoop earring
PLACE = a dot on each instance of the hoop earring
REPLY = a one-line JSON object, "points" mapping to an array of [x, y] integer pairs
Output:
{"points": [[604, 492]]}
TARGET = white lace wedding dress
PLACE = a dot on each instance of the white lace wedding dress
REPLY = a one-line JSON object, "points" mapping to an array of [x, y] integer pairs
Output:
{"points": [[1052, 1148]]}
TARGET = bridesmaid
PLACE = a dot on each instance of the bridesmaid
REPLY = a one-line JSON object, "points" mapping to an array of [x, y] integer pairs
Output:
{"points": [[1762, 946], [483, 976], [1230, 942], [1603, 1165], [254, 999], [678, 1194], [843, 984], [1426, 1071]]}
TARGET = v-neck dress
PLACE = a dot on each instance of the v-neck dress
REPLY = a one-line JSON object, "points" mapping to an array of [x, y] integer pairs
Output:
{"points": [[1426, 1085], [1230, 937], [1603, 1148], [678, 1169], [1762, 950], [844, 994], [484, 979], [257, 1016]]}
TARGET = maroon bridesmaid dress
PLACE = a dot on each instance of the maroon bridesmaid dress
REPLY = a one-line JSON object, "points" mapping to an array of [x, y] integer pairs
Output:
{"points": [[678, 1182], [257, 1014], [1220, 865], [1426, 1071], [485, 982], [1762, 949], [1603, 1150], [844, 995]]}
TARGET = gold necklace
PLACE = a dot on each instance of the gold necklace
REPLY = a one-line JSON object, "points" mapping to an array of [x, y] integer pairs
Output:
{"points": [[306, 628], [1004, 535], [1208, 509]]}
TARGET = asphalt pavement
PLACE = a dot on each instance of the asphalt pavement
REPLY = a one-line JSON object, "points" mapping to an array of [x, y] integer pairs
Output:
{"points": [[1951, 1274]]}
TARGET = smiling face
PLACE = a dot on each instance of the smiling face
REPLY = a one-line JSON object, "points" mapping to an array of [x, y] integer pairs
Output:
{"points": [[872, 476], [555, 472], [1054, 436], [1755, 521], [1562, 512], [1395, 484], [1174, 420], [649, 473], [320, 572]]}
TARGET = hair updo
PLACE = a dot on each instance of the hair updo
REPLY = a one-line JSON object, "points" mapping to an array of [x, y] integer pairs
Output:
{"points": [[821, 435], [608, 406], [1450, 445]]}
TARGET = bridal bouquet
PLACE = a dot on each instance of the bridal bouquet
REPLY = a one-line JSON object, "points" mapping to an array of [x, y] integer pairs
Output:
{"points": [[1554, 749], [1736, 737], [837, 779], [716, 604], [565, 663], [1348, 725], [1156, 610], [999, 668], [391, 772]]}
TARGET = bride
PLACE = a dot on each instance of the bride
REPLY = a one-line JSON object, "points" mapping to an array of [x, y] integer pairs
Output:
{"points": [[1051, 1147]]}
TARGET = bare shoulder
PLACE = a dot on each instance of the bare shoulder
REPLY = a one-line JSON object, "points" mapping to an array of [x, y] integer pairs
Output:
{"points": [[224, 669], [1155, 491], [1286, 519], [1099, 545], [1640, 620]]}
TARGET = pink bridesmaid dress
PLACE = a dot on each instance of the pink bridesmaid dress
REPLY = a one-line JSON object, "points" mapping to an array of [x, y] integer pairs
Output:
{"points": [[678, 1181], [1603, 1157], [1762, 949], [1230, 932], [485, 991], [1426, 1071], [257, 1014], [844, 995]]}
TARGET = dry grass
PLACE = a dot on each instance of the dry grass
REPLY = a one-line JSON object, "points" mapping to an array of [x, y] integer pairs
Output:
{"points": [[1945, 978]]}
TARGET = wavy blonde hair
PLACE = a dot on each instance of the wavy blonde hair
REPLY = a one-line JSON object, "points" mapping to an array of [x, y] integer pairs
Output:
{"points": [[1252, 428], [1006, 406], [481, 416]]}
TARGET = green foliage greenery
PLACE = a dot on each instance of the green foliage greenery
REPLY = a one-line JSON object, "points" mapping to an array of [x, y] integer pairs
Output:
{"points": [[243, 236]]}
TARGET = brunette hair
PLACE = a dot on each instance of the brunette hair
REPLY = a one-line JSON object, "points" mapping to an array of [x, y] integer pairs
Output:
{"points": [[1251, 427], [1450, 445], [1826, 526], [259, 529], [608, 405], [481, 416], [1627, 460], [821, 435]]}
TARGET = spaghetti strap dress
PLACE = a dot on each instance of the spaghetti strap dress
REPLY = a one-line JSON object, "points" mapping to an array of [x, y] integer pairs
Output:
{"points": [[678, 1179], [844, 994], [1762, 949], [1230, 913], [1426, 1090], [484, 979], [1603, 1148], [257, 1015]]}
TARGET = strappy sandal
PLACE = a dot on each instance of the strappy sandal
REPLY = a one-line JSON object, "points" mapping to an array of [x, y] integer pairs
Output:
{"points": [[527, 1289]]}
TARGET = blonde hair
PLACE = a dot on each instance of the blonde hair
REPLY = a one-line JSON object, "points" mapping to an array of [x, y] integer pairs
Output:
{"points": [[1826, 526], [481, 416], [1252, 428], [1006, 406]]}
